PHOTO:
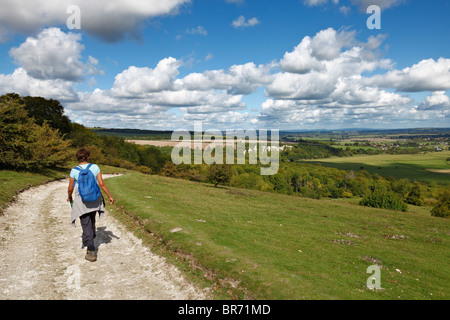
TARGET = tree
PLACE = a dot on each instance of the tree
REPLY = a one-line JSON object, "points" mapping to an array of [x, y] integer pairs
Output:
{"points": [[219, 173], [442, 206], [24, 144], [15, 132], [48, 148], [52, 111], [82, 136]]}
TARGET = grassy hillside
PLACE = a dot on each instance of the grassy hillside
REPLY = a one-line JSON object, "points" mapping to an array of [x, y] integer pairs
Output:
{"points": [[411, 166], [275, 246]]}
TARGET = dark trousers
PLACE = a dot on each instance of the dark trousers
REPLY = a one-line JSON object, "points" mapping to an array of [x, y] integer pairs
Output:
{"points": [[88, 225]]}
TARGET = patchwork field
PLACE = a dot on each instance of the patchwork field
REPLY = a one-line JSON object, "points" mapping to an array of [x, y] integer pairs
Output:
{"points": [[429, 167]]}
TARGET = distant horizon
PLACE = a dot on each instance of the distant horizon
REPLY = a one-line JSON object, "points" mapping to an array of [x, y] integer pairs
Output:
{"points": [[292, 130]]}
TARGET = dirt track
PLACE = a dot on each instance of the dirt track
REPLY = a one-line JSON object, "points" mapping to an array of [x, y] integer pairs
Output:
{"points": [[41, 256]]}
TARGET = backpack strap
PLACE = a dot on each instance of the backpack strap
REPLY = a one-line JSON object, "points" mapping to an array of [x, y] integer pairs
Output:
{"points": [[79, 168]]}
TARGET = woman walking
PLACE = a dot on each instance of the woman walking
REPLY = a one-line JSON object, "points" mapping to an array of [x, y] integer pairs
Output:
{"points": [[88, 199]]}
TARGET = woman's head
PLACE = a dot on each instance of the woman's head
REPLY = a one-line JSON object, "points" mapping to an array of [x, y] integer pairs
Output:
{"points": [[83, 155]]}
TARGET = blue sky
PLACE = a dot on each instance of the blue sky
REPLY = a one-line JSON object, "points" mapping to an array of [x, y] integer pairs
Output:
{"points": [[291, 64]]}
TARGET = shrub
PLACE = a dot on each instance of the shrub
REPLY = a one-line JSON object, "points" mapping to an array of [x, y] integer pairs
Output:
{"points": [[144, 169], [415, 196], [219, 173], [384, 201], [442, 206]]}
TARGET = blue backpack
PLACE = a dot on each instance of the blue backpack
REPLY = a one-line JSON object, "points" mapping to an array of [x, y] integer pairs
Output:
{"points": [[87, 185]]}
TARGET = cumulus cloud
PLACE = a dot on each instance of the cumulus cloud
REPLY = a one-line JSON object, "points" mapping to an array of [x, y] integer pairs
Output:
{"points": [[427, 75], [140, 91], [328, 79], [238, 79], [136, 82], [53, 54], [437, 101], [325, 80], [333, 90], [318, 66], [324, 53], [110, 20], [20, 82]]}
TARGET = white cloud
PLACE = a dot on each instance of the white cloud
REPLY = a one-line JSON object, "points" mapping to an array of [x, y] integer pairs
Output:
{"points": [[324, 53], [295, 114], [301, 59], [242, 22], [326, 80], [310, 86], [209, 56], [110, 20], [53, 54], [318, 65], [137, 82], [200, 30], [351, 92], [312, 3], [427, 75], [238, 79], [20, 82], [437, 101], [327, 44], [345, 10]]}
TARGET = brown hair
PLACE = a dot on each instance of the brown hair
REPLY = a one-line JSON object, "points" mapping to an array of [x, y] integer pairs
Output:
{"points": [[83, 155]]}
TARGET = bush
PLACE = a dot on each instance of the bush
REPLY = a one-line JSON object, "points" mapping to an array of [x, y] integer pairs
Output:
{"points": [[415, 196], [442, 206], [384, 201], [144, 170], [219, 173]]}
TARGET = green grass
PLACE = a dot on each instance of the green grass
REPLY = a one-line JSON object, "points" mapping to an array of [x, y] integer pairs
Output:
{"points": [[12, 182], [285, 247], [411, 166]]}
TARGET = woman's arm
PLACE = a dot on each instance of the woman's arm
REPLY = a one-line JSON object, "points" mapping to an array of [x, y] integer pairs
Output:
{"points": [[70, 190], [102, 185]]}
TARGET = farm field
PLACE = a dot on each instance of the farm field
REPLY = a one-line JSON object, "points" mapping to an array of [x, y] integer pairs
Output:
{"points": [[272, 246], [428, 167]]}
